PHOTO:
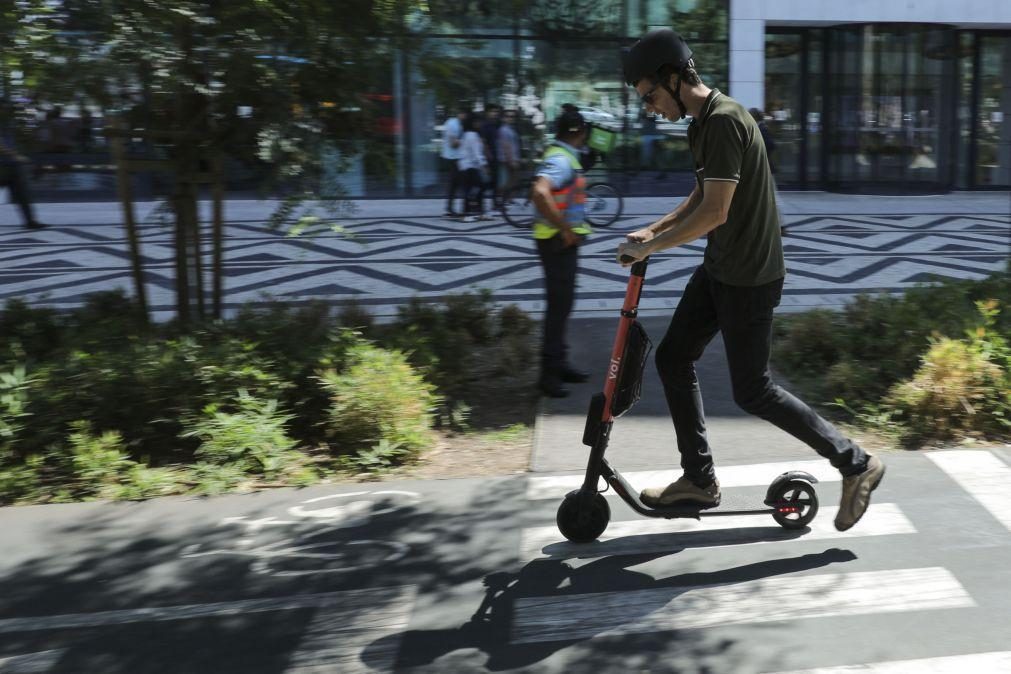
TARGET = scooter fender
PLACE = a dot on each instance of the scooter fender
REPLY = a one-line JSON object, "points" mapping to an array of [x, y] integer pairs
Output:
{"points": [[787, 477]]}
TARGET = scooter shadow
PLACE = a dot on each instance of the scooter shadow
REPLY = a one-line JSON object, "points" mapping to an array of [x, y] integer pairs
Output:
{"points": [[490, 629], [671, 541]]}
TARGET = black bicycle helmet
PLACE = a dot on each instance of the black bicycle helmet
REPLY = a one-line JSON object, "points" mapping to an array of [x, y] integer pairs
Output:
{"points": [[654, 50]]}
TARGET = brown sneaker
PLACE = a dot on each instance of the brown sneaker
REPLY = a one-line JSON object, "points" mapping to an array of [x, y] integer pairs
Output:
{"points": [[682, 491], [856, 493]]}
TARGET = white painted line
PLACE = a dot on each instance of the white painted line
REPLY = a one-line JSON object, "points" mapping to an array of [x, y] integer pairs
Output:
{"points": [[983, 475], [990, 663], [31, 663], [782, 598], [749, 475], [373, 607], [335, 643], [657, 535]]}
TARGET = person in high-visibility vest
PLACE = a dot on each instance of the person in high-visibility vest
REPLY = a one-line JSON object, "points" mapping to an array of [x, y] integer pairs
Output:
{"points": [[559, 193]]}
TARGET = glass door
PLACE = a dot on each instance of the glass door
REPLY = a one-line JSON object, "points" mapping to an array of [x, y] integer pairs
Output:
{"points": [[892, 98], [993, 116]]}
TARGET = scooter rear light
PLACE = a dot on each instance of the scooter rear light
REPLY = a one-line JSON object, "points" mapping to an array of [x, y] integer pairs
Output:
{"points": [[788, 509]]}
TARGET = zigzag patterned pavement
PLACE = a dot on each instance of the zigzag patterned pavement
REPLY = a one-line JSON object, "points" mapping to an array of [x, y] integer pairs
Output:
{"points": [[388, 260]]}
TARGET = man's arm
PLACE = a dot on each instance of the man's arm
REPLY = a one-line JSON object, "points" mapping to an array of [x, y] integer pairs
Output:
{"points": [[544, 201], [709, 214], [684, 209]]}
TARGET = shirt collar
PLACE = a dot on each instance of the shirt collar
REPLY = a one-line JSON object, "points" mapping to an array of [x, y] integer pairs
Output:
{"points": [[707, 106], [566, 146]]}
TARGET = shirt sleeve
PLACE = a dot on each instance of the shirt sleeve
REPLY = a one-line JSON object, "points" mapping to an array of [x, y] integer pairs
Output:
{"points": [[557, 170], [725, 140]]}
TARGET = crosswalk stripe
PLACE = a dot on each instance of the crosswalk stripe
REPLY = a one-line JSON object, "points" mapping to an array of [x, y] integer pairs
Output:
{"points": [[31, 663], [656, 535], [367, 608], [998, 662], [338, 636], [748, 475], [584, 616], [983, 475]]}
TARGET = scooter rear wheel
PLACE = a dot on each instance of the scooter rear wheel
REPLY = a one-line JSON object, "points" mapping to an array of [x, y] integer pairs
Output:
{"points": [[795, 503], [582, 519]]}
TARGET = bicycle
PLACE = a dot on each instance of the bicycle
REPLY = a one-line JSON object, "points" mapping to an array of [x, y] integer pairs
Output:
{"points": [[604, 205]]}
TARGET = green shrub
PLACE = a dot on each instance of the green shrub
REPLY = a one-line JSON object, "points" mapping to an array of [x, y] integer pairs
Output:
{"points": [[28, 333], [377, 398], [252, 438], [13, 405], [20, 481], [213, 479], [955, 393], [859, 354], [143, 482], [99, 462], [155, 398]]}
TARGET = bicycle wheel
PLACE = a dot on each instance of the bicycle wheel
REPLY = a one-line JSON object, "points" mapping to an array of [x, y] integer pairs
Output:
{"points": [[603, 205], [517, 209]]}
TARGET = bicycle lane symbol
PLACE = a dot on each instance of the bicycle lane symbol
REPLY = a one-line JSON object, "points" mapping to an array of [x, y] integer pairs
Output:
{"points": [[292, 556]]}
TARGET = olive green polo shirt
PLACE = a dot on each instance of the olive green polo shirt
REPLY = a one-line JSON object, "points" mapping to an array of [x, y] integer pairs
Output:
{"points": [[747, 249]]}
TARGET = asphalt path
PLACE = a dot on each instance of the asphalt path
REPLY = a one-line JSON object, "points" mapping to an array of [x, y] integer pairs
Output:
{"points": [[472, 576]]}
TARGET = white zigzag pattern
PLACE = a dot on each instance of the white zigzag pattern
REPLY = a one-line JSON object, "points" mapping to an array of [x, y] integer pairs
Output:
{"points": [[387, 261]]}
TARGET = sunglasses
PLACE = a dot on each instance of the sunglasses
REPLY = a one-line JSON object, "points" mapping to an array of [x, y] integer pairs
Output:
{"points": [[648, 97]]}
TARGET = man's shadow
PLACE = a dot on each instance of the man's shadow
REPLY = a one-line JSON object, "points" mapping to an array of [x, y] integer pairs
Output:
{"points": [[490, 628]]}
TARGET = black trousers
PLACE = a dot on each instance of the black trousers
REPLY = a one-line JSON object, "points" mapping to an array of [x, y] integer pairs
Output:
{"points": [[560, 265], [456, 183], [744, 316], [13, 177], [473, 200]]}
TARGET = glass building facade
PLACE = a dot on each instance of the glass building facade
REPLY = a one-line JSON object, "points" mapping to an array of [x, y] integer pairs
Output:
{"points": [[885, 107], [529, 56], [895, 108]]}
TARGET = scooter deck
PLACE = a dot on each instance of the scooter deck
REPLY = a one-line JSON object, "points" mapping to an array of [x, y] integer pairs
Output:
{"points": [[730, 504]]}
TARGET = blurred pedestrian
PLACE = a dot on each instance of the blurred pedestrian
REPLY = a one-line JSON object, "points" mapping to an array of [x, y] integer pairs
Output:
{"points": [[508, 147], [473, 165], [14, 171], [489, 134], [452, 135]]}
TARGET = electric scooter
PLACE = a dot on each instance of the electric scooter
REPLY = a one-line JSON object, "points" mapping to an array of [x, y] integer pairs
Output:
{"points": [[584, 514]]}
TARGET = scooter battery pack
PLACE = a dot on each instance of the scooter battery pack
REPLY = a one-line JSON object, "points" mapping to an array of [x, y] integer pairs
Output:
{"points": [[633, 364]]}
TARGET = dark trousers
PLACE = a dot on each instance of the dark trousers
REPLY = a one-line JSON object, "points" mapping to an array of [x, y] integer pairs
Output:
{"points": [[456, 182], [473, 191], [13, 177], [744, 316], [560, 265], [491, 186]]}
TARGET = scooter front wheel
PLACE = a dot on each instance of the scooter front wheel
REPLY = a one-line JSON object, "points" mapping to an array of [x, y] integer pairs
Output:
{"points": [[795, 503], [583, 518]]}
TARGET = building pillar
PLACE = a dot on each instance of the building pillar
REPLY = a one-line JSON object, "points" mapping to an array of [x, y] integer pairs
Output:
{"points": [[747, 53]]}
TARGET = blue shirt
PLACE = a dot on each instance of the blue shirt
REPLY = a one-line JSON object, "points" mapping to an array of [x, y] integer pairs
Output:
{"points": [[558, 169]]}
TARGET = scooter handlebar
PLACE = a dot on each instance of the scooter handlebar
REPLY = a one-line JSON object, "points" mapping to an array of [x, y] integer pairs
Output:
{"points": [[638, 268]]}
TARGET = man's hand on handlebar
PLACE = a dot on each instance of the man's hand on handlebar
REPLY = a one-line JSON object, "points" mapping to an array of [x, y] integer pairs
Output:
{"points": [[640, 235], [630, 252]]}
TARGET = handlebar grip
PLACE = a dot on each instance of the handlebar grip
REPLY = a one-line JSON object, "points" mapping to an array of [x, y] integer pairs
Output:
{"points": [[626, 259]]}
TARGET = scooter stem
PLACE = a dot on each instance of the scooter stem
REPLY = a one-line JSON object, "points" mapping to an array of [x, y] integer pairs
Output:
{"points": [[629, 311]]}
